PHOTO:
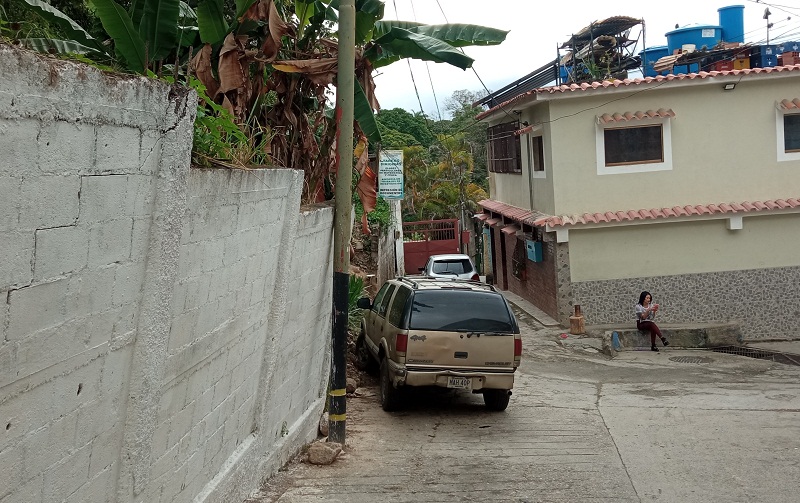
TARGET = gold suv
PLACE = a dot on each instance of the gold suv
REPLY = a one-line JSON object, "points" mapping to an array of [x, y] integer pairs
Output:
{"points": [[440, 332]]}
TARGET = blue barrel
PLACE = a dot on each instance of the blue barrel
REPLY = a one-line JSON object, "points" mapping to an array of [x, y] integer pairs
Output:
{"points": [[731, 18], [650, 56], [700, 35]]}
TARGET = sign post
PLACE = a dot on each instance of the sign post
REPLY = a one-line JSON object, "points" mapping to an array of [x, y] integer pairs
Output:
{"points": [[390, 174]]}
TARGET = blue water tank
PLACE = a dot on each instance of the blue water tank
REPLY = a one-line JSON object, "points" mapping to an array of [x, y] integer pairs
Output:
{"points": [[650, 56], [698, 34], [731, 18]]}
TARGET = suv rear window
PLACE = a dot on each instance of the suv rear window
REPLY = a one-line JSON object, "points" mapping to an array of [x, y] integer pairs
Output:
{"points": [[460, 311], [451, 266], [395, 316]]}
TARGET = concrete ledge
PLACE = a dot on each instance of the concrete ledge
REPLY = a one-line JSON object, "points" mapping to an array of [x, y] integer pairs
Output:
{"points": [[679, 336]]}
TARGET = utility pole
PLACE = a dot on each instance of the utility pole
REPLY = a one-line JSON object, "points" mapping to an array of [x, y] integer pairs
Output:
{"points": [[345, 87]]}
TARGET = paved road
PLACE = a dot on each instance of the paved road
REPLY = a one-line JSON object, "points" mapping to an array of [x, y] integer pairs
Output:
{"points": [[580, 427]]}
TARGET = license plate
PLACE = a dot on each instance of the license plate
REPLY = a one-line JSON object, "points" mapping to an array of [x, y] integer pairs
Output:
{"points": [[459, 382]]}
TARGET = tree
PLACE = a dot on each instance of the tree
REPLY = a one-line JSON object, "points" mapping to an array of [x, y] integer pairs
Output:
{"points": [[269, 64], [442, 189], [415, 125], [460, 106]]}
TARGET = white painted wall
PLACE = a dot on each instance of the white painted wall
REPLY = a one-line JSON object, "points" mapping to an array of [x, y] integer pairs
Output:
{"points": [[672, 248], [164, 331], [723, 145]]}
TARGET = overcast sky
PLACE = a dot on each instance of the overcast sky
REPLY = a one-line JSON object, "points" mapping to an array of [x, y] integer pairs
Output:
{"points": [[536, 28]]}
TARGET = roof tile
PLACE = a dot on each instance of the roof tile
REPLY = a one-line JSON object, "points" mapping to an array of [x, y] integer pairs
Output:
{"points": [[528, 217], [572, 87]]}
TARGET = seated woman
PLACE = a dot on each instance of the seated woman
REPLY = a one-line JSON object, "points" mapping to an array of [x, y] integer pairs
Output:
{"points": [[645, 314]]}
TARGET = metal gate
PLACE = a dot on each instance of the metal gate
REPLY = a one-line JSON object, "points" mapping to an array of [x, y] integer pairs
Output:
{"points": [[426, 238]]}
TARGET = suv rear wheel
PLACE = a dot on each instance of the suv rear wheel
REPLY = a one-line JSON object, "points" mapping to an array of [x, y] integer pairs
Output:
{"points": [[496, 399], [390, 396], [364, 360]]}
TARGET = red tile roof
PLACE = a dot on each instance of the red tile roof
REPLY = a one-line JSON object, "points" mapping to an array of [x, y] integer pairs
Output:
{"points": [[541, 219], [790, 104], [662, 79], [630, 116]]}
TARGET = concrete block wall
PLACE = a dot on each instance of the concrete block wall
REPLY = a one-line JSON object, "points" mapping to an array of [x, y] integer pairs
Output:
{"points": [[145, 333]]}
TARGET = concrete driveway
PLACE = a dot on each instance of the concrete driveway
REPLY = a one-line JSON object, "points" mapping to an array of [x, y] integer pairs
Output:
{"points": [[679, 425]]}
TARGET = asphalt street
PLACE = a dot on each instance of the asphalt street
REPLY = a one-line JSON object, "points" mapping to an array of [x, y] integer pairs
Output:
{"points": [[674, 426]]}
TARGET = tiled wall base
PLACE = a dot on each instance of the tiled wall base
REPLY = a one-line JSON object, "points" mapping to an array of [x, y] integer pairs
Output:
{"points": [[766, 302]]}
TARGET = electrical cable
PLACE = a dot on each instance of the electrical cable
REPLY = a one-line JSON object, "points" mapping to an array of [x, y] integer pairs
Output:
{"points": [[427, 65], [776, 7]]}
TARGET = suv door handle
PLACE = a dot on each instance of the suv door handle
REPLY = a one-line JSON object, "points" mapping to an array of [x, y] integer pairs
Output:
{"points": [[460, 354]]}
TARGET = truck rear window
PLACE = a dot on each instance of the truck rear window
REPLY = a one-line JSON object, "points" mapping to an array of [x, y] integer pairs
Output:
{"points": [[460, 311], [457, 266]]}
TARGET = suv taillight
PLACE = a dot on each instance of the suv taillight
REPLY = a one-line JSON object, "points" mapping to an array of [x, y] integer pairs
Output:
{"points": [[401, 343], [517, 348], [475, 277]]}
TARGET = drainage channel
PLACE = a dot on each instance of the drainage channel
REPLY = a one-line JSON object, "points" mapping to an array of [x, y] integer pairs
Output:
{"points": [[761, 354]]}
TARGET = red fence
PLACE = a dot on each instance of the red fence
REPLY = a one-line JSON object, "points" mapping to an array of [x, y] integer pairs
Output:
{"points": [[426, 238]]}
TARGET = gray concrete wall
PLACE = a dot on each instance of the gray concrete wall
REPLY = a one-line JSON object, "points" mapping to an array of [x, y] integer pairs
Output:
{"points": [[164, 331]]}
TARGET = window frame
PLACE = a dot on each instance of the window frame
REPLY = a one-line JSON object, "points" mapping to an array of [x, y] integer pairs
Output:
{"points": [[507, 165], [540, 173], [395, 314], [780, 122], [383, 306], [637, 167]]}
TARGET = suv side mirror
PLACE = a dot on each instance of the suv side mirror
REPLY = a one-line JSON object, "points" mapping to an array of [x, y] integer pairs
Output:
{"points": [[364, 303]]}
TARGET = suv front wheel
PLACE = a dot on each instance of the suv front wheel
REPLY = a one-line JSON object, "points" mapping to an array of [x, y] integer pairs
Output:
{"points": [[364, 360], [390, 396], [496, 399]]}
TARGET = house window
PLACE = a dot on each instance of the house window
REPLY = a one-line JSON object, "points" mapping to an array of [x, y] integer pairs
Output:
{"points": [[504, 148], [537, 153], [787, 123], [634, 146], [791, 133]]}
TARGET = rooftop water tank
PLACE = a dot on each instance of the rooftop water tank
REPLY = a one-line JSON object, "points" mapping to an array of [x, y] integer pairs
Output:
{"points": [[731, 18], [701, 35], [650, 56]]}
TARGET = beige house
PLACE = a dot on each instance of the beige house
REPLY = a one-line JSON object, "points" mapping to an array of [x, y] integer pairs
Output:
{"points": [[684, 185]]}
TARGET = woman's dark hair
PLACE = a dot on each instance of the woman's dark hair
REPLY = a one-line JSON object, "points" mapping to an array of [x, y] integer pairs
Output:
{"points": [[643, 295]]}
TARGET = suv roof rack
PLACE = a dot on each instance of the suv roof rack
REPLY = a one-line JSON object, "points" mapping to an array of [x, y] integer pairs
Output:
{"points": [[415, 283]]}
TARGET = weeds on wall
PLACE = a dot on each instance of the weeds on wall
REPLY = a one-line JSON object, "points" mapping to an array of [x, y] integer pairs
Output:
{"points": [[218, 141], [357, 289], [380, 218]]}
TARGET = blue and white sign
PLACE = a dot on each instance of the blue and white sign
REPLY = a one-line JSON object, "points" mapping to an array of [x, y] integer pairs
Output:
{"points": [[390, 174]]}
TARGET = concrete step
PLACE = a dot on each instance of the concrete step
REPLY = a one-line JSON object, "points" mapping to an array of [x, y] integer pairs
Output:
{"points": [[678, 336]]}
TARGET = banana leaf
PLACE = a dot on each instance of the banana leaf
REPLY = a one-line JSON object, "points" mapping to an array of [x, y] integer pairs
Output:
{"points": [[242, 6], [304, 10], [70, 27], [368, 12], [211, 21], [457, 35], [127, 41], [403, 43], [362, 112], [52, 45], [159, 27], [136, 11]]}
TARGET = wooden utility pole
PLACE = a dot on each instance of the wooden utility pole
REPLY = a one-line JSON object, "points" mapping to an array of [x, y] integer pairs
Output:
{"points": [[345, 88]]}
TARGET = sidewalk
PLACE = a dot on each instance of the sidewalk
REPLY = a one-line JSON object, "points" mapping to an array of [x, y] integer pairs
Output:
{"points": [[529, 308]]}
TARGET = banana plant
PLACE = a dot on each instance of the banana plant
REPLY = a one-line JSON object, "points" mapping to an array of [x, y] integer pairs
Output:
{"points": [[384, 42], [81, 42], [147, 32]]}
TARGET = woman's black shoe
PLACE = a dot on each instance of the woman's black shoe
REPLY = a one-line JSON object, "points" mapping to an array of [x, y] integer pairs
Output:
{"points": [[665, 341], [654, 348]]}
